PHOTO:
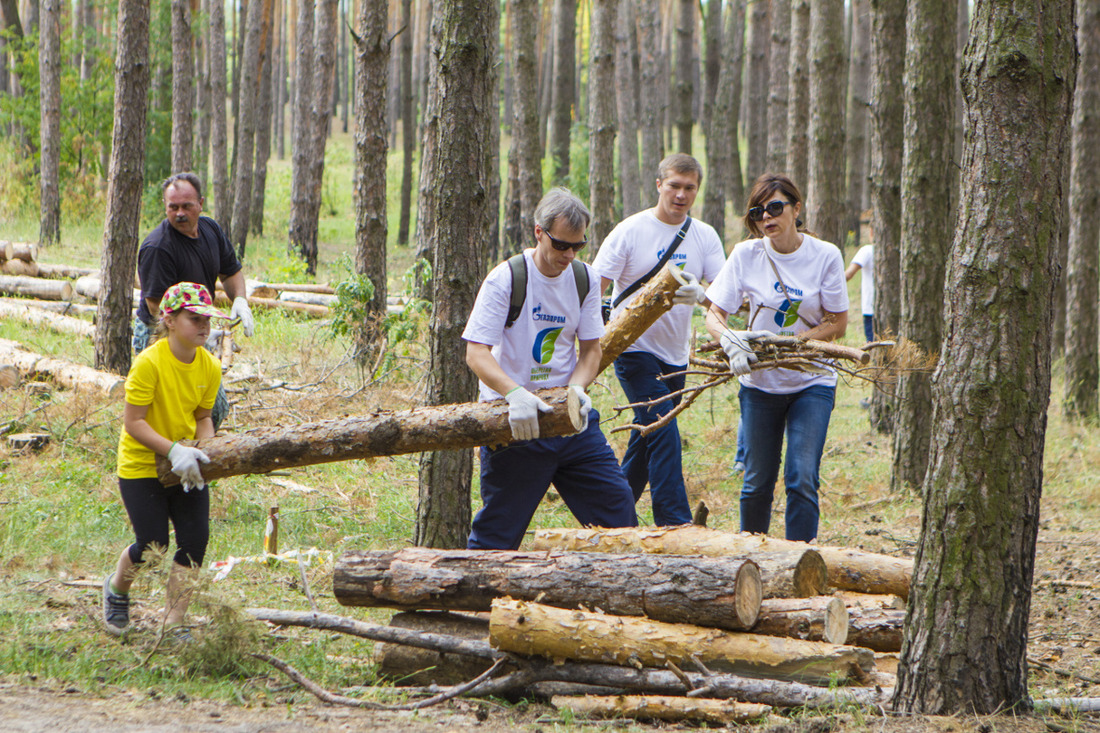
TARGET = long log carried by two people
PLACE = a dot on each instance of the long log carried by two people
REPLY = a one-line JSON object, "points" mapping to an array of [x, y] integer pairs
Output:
{"points": [[383, 433]]}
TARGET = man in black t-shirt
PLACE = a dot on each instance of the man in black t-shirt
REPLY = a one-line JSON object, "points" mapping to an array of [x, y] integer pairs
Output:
{"points": [[188, 247]]}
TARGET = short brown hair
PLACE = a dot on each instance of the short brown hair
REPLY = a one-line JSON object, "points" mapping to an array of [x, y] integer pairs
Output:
{"points": [[681, 163], [764, 188]]}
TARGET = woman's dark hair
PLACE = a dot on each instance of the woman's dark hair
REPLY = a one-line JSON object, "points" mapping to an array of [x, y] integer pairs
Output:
{"points": [[765, 187]]}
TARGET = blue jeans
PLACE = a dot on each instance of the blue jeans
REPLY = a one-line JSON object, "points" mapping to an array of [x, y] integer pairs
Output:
{"points": [[515, 477], [869, 328], [656, 458], [140, 342], [804, 416]]}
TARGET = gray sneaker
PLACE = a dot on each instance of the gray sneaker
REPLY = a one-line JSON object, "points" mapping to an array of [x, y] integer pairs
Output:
{"points": [[116, 609]]}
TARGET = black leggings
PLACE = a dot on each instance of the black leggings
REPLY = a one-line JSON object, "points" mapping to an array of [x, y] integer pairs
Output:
{"points": [[151, 505]]}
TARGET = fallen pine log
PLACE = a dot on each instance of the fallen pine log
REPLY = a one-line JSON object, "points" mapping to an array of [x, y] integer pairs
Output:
{"points": [[64, 307], [651, 302], [555, 633], [722, 593], [821, 618], [74, 376], [662, 707], [384, 433], [410, 665], [67, 272], [854, 570], [876, 628], [87, 286], [301, 288], [797, 573], [871, 600], [291, 296], [35, 287], [317, 311], [25, 251], [52, 321], [533, 670], [19, 268]]}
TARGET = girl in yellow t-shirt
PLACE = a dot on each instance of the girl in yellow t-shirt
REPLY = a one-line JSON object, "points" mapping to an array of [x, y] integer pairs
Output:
{"points": [[169, 395]]}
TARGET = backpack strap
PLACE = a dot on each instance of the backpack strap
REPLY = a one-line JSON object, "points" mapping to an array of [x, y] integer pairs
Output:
{"points": [[518, 266]]}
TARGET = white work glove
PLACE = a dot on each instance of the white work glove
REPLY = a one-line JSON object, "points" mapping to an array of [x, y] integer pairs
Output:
{"points": [[185, 464], [523, 413], [691, 293], [214, 341], [736, 346], [586, 403], [242, 310]]}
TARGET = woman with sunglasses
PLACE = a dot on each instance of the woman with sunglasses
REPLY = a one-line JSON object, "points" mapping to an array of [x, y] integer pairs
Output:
{"points": [[795, 286]]}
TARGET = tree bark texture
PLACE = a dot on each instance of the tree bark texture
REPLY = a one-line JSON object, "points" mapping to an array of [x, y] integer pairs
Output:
{"points": [[372, 57], [49, 97], [859, 73], [798, 93], [887, 130], [758, 42], [778, 85], [825, 197], [525, 115], [564, 96], [442, 427], [1082, 331], [685, 74], [721, 593], [820, 618], [219, 131], [879, 629], [453, 221], [927, 220], [539, 630], [652, 301], [855, 570], [245, 148], [657, 707], [651, 69], [712, 60], [264, 103], [200, 74], [408, 123], [125, 183], [601, 121], [965, 646], [301, 153], [182, 88], [413, 666], [73, 376], [719, 127], [795, 573]]}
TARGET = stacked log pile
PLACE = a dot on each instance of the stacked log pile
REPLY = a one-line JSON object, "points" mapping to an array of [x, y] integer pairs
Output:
{"points": [[19, 258], [74, 376]]}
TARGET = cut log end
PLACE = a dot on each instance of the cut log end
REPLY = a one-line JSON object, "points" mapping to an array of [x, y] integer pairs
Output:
{"points": [[749, 593], [9, 376], [573, 404], [24, 442]]}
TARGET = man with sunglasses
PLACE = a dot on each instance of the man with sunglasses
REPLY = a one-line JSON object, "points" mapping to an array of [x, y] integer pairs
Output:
{"points": [[554, 341], [630, 252]]}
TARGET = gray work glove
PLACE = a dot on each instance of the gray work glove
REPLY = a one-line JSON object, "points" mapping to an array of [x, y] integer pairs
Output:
{"points": [[185, 464], [214, 341], [691, 293], [737, 348], [523, 413], [241, 309]]}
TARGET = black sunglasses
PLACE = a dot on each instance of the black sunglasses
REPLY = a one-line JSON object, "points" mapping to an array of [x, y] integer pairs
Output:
{"points": [[774, 209], [561, 245]]}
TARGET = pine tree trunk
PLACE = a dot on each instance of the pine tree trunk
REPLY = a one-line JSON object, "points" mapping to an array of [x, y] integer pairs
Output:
{"points": [[201, 70], [219, 130], [859, 70], [1080, 398], [299, 242], [723, 160], [965, 646], [408, 123], [735, 32], [49, 97], [564, 96], [601, 121], [525, 120], [779, 62], [626, 108], [286, 11], [124, 188], [887, 135], [244, 152], [453, 220], [825, 197], [372, 56], [182, 93], [798, 94], [263, 121], [651, 71], [927, 220], [712, 60], [756, 89], [685, 88]]}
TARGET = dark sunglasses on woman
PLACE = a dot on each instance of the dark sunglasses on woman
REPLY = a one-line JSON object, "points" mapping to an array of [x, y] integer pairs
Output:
{"points": [[774, 209]]}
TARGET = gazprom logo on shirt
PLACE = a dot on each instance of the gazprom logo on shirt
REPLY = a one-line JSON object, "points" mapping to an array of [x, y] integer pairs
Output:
{"points": [[779, 289], [543, 350], [676, 256], [538, 315]]}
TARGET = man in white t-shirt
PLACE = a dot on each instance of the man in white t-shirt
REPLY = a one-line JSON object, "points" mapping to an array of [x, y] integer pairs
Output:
{"points": [[865, 260], [554, 342], [631, 250]]}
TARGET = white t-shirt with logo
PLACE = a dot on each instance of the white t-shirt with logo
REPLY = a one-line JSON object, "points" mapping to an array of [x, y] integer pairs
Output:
{"points": [[865, 258], [539, 350], [814, 276], [633, 248]]}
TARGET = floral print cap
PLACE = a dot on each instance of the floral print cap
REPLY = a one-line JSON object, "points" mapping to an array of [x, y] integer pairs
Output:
{"points": [[189, 296]]}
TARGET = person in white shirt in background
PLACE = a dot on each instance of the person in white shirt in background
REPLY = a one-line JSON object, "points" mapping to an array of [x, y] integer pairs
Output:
{"points": [[865, 260]]}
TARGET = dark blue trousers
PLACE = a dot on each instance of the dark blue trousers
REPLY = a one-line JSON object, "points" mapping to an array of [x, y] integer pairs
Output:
{"points": [[656, 458], [514, 479]]}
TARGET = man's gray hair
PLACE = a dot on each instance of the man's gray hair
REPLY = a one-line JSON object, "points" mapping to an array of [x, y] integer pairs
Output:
{"points": [[561, 203], [189, 177]]}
